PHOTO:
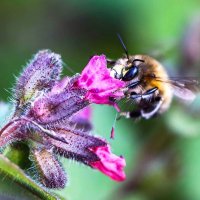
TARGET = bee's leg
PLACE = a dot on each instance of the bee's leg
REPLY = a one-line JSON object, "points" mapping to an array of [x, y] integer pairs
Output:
{"points": [[142, 113], [146, 112], [128, 91], [147, 109], [152, 110], [147, 95], [133, 84], [136, 114]]}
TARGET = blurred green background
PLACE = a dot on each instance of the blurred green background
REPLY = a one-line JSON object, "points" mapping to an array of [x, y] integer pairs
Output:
{"points": [[162, 154]]}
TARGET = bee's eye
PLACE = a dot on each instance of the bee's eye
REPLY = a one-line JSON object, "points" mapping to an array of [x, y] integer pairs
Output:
{"points": [[130, 74]]}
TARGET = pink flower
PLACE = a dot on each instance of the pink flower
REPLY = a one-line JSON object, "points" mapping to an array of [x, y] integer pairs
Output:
{"points": [[96, 79], [109, 164], [52, 113], [84, 114]]}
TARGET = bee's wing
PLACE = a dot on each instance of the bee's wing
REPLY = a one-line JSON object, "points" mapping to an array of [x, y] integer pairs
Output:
{"points": [[185, 89]]}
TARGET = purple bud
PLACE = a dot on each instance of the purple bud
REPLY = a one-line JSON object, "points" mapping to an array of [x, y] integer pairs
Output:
{"points": [[51, 174], [40, 75], [78, 144], [57, 107]]}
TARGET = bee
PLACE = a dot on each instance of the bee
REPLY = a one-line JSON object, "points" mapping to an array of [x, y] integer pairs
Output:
{"points": [[148, 85]]}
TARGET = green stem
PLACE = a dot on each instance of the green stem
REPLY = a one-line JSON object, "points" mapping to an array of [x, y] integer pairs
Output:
{"points": [[17, 175]]}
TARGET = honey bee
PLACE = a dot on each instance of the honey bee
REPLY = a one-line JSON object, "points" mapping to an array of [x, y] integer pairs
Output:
{"points": [[148, 85]]}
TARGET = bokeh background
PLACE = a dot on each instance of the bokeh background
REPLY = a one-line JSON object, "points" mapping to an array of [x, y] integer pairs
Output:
{"points": [[162, 154]]}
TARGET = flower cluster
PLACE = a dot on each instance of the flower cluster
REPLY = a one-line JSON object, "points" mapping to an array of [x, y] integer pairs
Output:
{"points": [[51, 115]]}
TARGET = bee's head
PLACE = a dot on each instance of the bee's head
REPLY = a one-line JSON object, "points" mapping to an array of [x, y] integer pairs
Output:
{"points": [[125, 69], [118, 67]]}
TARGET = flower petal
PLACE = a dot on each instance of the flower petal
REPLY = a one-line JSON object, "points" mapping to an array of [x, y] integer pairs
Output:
{"points": [[96, 79], [109, 164], [60, 86], [85, 113], [82, 119]]}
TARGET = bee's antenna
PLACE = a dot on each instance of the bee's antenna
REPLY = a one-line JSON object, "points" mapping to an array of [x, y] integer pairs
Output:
{"points": [[123, 45]]}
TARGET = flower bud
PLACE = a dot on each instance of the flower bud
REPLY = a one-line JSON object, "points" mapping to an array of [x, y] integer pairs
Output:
{"points": [[51, 174], [40, 75]]}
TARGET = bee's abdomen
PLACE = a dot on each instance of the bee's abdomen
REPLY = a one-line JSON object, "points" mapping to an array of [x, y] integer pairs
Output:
{"points": [[161, 82], [166, 95], [164, 88]]}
